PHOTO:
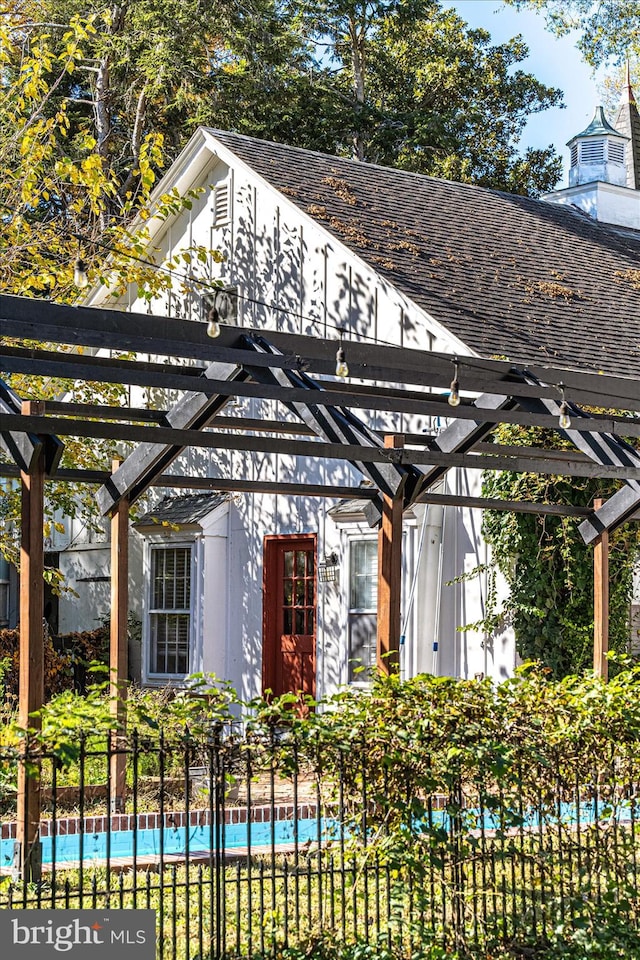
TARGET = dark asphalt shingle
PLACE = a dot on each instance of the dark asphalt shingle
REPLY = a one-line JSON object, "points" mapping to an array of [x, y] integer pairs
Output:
{"points": [[511, 277], [182, 510]]}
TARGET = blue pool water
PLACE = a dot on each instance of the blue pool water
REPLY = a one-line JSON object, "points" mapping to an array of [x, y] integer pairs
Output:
{"points": [[174, 841]]}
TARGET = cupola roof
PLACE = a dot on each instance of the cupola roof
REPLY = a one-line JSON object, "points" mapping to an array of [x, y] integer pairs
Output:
{"points": [[598, 127]]}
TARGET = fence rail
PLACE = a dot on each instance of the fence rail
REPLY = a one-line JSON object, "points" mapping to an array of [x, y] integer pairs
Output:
{"points": [[244, 844]]}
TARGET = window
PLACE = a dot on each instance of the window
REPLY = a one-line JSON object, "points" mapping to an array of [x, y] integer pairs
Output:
{"points": [[363, 601], [170, 610]]}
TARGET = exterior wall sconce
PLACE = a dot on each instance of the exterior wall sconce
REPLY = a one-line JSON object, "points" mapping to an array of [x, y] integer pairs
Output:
{"points": [[328, 569]]}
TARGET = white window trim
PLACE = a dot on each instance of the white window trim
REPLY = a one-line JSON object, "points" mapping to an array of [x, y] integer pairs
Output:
{"points": [[355, 536], [149, 677]]}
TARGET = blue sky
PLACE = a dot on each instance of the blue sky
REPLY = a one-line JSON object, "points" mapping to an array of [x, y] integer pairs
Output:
{"points": [[556, 62]]}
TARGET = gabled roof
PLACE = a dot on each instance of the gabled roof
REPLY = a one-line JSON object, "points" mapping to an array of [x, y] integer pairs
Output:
{"points": [[182, 510], [510, 276]]}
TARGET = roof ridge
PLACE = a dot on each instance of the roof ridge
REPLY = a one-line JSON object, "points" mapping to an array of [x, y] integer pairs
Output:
{"points": [[370, 165]]}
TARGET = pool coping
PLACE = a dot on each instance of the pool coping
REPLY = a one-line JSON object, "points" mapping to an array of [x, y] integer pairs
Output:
{"points": [[199, 817]]}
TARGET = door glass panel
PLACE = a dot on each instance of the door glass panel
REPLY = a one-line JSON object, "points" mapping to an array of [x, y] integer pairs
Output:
{"points": [[288, 593], [288, 563], [310, 619], [299, 593], [286, 626], [300, 621]]}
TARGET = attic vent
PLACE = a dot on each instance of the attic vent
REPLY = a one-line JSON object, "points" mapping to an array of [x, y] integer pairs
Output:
{"points": [[592, 151], [574, 155], [221, 203], [615, 151]]}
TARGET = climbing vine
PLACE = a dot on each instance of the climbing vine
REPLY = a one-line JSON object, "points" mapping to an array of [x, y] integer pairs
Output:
{"points": [[547, 565]]}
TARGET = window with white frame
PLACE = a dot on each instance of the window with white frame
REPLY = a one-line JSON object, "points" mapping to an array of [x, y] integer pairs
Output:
{"points": [[170, 610], [363, 601]]}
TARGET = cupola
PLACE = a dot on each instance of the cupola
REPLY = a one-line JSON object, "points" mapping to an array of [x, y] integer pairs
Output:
{"points": [[598, 153]]}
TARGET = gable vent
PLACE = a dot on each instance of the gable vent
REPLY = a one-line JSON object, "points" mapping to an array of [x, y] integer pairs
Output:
{"points": [[221, 203], [574, 155]]}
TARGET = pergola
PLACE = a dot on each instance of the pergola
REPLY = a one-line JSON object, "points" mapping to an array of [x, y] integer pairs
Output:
{"points": [[299, 372]]}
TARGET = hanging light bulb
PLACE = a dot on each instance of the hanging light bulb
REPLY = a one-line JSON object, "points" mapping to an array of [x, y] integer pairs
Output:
{"points": [[213, 327], [454, 389], [564, 420], [80, 277], [342, 369]]}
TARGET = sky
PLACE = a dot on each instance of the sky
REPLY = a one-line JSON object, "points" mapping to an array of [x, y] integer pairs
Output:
{"points": [[555, 62]]}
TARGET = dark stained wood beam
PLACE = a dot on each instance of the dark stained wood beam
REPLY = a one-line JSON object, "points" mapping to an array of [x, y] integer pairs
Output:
{"points": [[167, 481], [173, 437], [187, 416], [111, 329]]}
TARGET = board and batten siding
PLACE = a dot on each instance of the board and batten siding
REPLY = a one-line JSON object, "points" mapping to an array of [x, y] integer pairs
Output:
{"points": [[293, 275]]}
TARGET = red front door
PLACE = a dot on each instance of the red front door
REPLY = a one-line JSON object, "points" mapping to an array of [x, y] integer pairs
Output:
{"points": [[289, 637]]}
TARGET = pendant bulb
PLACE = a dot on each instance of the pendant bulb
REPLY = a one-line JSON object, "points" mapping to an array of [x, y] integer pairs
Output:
{"points": [[564, 420], [342, 369], [80, 276], [454, 389], [213, 329]]}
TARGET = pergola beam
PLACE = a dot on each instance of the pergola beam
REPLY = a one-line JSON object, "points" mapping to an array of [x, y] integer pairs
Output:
{"points": [[187, 417], [110, 329], [178, 439]]}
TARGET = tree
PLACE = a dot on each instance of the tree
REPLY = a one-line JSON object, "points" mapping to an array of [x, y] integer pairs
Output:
{"points": [[432, 96], [609, 29], [57, 201]]}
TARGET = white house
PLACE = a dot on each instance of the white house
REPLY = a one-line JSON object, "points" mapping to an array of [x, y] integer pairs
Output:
{"points": [[315, 244]]}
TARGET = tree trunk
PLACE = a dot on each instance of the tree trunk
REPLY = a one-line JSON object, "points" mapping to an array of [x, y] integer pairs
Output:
{"points": [[357, 37]]}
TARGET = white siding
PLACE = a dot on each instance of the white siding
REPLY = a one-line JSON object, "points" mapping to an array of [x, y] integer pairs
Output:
{"points": [[293, 276]]}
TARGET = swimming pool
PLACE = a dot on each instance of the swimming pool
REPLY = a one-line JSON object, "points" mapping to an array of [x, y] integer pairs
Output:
{"points": [[175, 841]]}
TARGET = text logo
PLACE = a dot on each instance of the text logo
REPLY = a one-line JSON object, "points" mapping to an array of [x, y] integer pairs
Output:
{"points": [[81, 934]]}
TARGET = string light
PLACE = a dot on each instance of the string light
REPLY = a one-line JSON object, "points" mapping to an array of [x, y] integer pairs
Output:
{"points": [[564, 420], [454, 389], [342, 369], [80, 276]]}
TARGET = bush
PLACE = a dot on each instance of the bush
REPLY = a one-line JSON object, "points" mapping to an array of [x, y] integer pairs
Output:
{"points": [[66, 659]]}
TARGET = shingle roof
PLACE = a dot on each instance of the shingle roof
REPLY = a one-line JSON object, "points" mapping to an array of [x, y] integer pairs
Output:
{"points": [[511, 277], [182, 510]]}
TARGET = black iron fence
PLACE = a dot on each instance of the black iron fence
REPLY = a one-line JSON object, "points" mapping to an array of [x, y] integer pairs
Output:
{"points": [[244, 844]]}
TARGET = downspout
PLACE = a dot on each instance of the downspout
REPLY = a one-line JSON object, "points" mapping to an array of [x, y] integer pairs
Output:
{"points": [[429, 580]]}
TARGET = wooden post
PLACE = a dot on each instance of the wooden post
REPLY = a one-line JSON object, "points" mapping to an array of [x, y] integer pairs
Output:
{"points": [[601, 601], [389, 578], [119, 654], [28, 860]]}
